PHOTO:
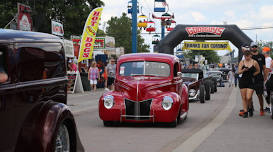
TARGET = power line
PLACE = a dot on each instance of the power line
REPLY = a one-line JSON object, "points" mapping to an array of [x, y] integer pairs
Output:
{"points": [[257, 28]]}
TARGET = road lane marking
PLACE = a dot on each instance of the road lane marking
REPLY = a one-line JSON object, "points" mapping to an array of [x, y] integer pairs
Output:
{"points": [[196, 139]]}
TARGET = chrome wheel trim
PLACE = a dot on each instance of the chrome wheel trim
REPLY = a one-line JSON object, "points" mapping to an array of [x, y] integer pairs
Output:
{"points": [[62, 143]]}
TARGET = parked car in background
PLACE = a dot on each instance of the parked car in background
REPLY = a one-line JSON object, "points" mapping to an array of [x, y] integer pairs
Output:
{"points": [[33, 112], [218, 75], [213, 82], [199, 87], [148, 88], [224, 73]]}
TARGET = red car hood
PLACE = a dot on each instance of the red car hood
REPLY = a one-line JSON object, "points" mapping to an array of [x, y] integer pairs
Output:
{"points": [[142, 88]]}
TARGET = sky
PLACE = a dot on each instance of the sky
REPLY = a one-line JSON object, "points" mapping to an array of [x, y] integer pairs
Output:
{"points": [[243, 13]]}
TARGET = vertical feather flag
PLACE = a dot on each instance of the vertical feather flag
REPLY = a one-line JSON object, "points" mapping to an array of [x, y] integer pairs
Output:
{"points": [[89, 34]]}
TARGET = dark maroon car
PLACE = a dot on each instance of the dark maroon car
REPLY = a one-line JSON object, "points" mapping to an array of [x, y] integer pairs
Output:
{"points": [[33, 112]]}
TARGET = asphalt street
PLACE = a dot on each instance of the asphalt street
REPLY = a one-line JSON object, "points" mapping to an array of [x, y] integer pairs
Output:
{"points": [[211, 127]]}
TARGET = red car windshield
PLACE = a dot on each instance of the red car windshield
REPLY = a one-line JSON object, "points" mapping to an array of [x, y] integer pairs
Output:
{"points": [[144, 68]]}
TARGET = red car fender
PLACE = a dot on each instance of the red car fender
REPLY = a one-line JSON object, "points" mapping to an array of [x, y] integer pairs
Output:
{"points": [[114, 113], [185, 98], [162, 115], [39, 131]]}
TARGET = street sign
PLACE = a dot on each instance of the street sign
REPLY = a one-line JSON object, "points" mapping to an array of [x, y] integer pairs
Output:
{"points": [[57, 28]]}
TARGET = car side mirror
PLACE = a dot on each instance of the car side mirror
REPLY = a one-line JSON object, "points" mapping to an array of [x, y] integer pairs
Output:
{"points": [[179, 74]]}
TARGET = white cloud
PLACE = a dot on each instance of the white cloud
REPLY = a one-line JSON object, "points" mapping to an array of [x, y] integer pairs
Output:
{"points": [[266, 12], [198, 16], [112, 9], [229, 14], [244, 23], [200, 4]]}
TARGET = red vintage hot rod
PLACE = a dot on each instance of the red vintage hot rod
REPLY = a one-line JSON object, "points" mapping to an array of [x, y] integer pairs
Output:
{"points": [[148, 88]]}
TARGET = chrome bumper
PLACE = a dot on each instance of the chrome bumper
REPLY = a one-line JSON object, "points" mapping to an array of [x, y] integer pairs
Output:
{"points": [[195, 97], [137, 117]]}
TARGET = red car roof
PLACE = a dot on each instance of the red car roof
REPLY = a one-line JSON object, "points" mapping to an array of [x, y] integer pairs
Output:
{"points": [[148, 56]]}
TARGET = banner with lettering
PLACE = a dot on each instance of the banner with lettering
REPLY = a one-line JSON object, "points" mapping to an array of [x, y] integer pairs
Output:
{"points": [[24, 21], [206, 46], [89, 34], [57, 28]]}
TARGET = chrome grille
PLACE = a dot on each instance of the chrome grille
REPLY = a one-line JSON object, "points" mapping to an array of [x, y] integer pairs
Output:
{"points": [[134, 109]]}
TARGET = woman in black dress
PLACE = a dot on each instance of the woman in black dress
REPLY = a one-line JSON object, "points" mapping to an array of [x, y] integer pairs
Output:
{"points": [[249, 68]]}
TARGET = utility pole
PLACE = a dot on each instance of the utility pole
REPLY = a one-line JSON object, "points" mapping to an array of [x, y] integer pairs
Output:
{"points": [[134, 26]]}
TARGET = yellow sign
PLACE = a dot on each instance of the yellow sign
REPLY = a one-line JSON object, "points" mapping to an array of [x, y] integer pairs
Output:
{"points": [[89, 34], [206, 46]]}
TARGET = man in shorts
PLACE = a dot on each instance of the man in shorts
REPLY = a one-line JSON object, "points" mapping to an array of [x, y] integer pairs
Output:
{"points": [[259, 79], [111, 71], [268, 60]]}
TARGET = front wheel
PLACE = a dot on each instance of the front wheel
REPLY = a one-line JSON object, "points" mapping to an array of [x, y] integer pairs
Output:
{"points": [[110, 123], [62, 143], [207, 96], [211, 87], [202, 94], [215, 86], [173, 124]]}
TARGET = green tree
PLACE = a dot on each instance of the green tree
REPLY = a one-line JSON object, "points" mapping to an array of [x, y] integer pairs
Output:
{"points": [[210, 55], [72, 13], [8, 11], [100, 33], [120, 28]]}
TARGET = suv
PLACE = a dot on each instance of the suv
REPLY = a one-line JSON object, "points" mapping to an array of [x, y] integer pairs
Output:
{"points": [[33, 111], [148, 88]]}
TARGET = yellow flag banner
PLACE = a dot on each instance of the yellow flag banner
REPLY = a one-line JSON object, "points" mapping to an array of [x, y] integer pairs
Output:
{"points": [[206, 46], [89, 34]]}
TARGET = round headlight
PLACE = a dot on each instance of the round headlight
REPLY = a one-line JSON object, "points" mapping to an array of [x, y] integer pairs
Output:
{"points": [[167, 103], [192, 92], [108, 101]]}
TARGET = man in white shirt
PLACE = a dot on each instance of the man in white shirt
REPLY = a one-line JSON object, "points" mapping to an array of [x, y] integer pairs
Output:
{"points": [[111, 72], [268, 60]]}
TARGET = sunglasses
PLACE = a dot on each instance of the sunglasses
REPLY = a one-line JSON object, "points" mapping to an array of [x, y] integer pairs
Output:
{"points": [[254, 47]]}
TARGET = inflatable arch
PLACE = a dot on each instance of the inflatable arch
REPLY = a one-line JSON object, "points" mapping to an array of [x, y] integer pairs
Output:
{"points": [[203, 32]]}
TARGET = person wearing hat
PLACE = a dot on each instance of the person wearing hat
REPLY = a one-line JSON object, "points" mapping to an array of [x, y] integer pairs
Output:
{"points": [[244, 47], [259, 79], [268, 61]]}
